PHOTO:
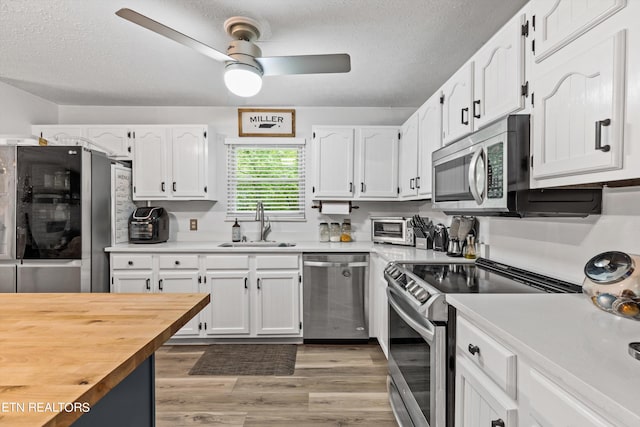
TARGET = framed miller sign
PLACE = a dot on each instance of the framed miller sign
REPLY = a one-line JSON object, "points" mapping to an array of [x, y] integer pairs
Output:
{"points": [[266, 122]]}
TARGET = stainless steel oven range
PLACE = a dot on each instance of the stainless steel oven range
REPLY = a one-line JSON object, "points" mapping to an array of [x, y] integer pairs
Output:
{"points": [[422, 330]]}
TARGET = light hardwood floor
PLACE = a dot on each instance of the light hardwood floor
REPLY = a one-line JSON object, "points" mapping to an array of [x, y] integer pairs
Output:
{"points": [[333, 385]]}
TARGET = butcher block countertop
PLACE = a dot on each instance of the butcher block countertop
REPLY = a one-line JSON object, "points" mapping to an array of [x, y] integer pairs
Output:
{"points": [[56, 349]]}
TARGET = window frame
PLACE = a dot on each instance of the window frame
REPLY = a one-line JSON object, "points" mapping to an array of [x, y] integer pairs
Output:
{"points": [[266, 143]]}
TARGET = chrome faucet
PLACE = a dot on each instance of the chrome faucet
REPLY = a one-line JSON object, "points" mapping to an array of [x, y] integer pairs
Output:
{"points": [[264, 229]]}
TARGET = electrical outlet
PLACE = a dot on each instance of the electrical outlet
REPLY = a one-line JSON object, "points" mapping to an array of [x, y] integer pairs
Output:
{"points": [[193, 224]]}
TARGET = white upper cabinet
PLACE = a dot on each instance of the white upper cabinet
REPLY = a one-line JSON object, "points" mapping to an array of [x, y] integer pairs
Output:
{"points": [[355, 162], [499, 74], [150, 173], [457, 117], [114, 140], [429, 140], [558, 22], [55, 132], [578, 116], [333, 150], [377, 162], [188, 170], [173, 163], [408, 152]]}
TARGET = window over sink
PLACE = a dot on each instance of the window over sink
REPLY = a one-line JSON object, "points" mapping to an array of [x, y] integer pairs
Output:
{"points": [[272, 172]]}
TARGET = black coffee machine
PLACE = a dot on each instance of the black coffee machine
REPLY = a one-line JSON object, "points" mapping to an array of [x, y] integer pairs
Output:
{"points": [[149, 225]]}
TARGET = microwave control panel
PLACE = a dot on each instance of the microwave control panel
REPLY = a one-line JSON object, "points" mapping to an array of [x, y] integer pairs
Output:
{"points": [[495, 173]]}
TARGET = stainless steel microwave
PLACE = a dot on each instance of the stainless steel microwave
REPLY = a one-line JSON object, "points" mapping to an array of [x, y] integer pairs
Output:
{"points": [[487, 173], [392, 229]]}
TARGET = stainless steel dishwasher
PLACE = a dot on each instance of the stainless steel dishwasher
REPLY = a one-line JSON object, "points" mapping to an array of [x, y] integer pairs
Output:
{"points": [[336, 296]]}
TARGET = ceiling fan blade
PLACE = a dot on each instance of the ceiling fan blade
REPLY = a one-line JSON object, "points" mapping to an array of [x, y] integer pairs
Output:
{"points": [[163, 30], [305, 64]]}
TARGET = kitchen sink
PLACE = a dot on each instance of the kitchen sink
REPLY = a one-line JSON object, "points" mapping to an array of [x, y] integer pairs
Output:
{"points": [[256, 245]]}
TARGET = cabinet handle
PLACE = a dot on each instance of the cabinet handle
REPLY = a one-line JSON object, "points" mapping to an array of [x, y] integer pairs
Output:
{"points": [[148, 284], [474, 349], [476, 114], [130, 263], [160, 284], [462, 120], [417, 182], [351, 187], [246, 281], [599, 125], [411, 183], [362, 187], [258, 283], [497, 423], [162, 186], [174, 186], [177, 262]]}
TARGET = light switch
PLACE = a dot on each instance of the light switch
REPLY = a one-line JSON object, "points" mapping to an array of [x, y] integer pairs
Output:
{"points": [[193, 224]]}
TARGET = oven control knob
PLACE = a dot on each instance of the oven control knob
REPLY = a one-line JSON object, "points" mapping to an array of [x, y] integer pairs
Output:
{"points": [[421, 295], [411, 285]]}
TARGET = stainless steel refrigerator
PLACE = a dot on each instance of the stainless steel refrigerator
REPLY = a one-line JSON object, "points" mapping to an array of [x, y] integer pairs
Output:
{"points": [[54, 219]]}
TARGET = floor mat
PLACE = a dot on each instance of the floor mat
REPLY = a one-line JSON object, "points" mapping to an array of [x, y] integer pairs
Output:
{"points": [[247, 359]]}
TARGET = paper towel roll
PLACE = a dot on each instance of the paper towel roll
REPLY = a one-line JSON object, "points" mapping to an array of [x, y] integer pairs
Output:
{"points": [[335, 208]]}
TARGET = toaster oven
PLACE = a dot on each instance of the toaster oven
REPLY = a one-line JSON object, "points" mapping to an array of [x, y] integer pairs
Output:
{"points": [[149, 225], [395, 230]]}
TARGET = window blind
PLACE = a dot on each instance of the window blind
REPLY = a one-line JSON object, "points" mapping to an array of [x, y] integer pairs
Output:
{"points": [[271, 173]]}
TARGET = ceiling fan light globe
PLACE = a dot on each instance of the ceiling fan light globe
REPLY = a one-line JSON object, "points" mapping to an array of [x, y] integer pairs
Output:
{"points": [[242, 80]]}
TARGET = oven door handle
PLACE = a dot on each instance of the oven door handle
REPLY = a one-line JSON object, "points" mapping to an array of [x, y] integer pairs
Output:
{"points": [[423, 330], [473, 182]]}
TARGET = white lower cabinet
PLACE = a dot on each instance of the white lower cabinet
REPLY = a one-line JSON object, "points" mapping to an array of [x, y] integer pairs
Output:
{"points": [[131, 281], [493, 390], [379, 311], [479, 403], [228, 312], [278, 303], [549, 405], [147, 273], [181, 281], [253, 295]]}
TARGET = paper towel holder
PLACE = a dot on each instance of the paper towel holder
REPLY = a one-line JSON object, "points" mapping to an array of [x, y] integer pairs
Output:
{"points": [[319, 206]]}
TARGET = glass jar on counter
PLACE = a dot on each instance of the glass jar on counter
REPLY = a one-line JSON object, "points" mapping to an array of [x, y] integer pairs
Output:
{"points": [[334, 232], [345, 235], [324, 232]]}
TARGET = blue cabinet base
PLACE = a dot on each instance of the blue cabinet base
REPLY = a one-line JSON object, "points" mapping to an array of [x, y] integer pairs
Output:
{"points": [[130, 404]]}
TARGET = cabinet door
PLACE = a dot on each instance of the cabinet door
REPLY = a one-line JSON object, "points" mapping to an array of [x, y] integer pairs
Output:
{"points": [[188, 162], [181, 282], [479, 403], [278, 303], [115, 141], [457, 117], [333, 159], [429, 140], [558, 22], [128, 281], [408, 152], [377, 154], [499, 75], [150, 172], [550, 406], [54, 133], [578, 108], [228, 312], [379, 314]]}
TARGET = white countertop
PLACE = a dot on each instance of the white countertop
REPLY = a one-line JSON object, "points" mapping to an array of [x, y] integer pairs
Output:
{"points": [[388, 252], [584, 349]]}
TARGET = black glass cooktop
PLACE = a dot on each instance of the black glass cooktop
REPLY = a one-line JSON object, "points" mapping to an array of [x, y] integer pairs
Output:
{"points": [[487, 277]]}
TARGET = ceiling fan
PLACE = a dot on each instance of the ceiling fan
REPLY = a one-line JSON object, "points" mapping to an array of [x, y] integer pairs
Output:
{"points": [[245, 64]]}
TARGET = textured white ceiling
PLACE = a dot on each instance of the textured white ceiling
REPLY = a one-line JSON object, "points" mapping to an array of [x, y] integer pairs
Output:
{"points": [[78, 52]]}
